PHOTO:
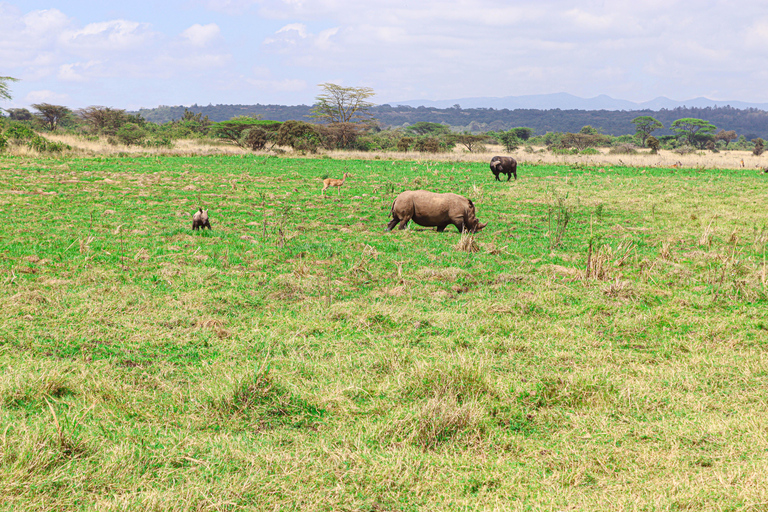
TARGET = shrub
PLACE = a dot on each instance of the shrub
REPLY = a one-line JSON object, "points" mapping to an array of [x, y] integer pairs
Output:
{"points": [[255, 138], [684, 150], [131, 134], [623, 149], [427, 145], [653, 143], [298, 135], [405, 143], [19, 132], [41, 145]]}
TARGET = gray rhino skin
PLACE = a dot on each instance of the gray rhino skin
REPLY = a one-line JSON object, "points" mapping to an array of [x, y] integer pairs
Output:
{"points": [[503, 165], [432, 209], [200, 219]]}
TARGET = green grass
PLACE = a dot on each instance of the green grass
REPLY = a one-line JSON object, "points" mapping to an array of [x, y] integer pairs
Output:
{"points": [[297, 357]]}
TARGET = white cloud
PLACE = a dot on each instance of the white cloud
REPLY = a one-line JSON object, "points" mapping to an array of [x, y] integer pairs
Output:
{"points": [[108, 36], [201, 35], [76, 72], [46, 97]]}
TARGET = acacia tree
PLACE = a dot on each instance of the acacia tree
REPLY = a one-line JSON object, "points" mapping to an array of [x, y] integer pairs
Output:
{"points": [[509, 139], [50, 115], [105, 120], [690, 127], [471, 142], [726, 136], [645, 126], [5, 92], [337, 104]]}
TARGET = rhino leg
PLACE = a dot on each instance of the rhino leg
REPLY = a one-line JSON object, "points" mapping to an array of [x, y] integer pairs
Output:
{"points": [[509, 176], [392, 223], [441, 228], [404, 222]]}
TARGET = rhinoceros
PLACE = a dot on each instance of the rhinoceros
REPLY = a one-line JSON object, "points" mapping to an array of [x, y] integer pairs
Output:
{"points": [[432, 209], [504, 165]]}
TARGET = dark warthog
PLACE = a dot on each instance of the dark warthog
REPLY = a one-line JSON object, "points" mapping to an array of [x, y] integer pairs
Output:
{"points": [[432, 209], [200, 220], [504, 165]]}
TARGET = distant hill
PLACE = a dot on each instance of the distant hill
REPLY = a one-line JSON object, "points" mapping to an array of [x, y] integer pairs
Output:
{"points": [[565, 101], [751, 122]]}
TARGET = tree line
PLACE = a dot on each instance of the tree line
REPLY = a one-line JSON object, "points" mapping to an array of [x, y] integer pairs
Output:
{"points": [[345, 118]]}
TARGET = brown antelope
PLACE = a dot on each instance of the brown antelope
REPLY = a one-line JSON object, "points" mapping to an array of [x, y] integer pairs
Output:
{"points": [[333, 182]]}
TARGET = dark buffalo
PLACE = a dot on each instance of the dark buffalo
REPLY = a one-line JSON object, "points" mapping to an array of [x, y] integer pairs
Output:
{"points": [[504, 165], [432, 209]]}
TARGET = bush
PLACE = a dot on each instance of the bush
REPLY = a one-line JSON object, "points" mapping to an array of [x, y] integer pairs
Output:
{"points": [[298, 135], [131, 134], [623, 149], [405, 143], [41, 145], [255, 138], [19, 132], [427, 145], [161, 142], [684, 150], [653, 143]]}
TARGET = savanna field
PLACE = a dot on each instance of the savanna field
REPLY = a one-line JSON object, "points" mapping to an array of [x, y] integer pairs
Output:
{"points": [[601, 345]]}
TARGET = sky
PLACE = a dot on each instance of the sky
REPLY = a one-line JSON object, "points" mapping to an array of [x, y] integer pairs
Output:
{"points": [[142, 53]]}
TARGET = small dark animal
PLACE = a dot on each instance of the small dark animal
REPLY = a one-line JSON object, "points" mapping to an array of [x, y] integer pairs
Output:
{"points": [[504, 165], [432, 209], [200, 220]]}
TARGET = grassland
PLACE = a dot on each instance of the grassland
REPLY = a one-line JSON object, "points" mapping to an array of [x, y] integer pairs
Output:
{"points": [[601, 345]]}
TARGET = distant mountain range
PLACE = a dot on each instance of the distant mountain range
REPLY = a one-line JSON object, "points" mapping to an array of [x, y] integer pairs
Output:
{"points": [[567, 101]]}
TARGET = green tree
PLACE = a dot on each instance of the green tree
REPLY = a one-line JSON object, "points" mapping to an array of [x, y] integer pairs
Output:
{"points": [[337, 104], [471, 142], [522, 132], [405, 143], [19, 114], [582, 141], [509, 139], [653, 143], [726, 136], [5, 92], [235, 129], [423, 128], [645, 126], [103, 120], [689, 127], [759, 147], [299, 135], [50, 115], [131, 134]]}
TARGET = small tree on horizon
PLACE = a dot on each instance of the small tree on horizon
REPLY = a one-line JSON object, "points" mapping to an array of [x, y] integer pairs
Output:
{"points": [[337, 104], [645, 126], [726, 136], [690, 127], [51, 115]]}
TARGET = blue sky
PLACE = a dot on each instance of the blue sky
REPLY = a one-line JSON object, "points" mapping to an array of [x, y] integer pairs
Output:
{"points": [[180, 52]]}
